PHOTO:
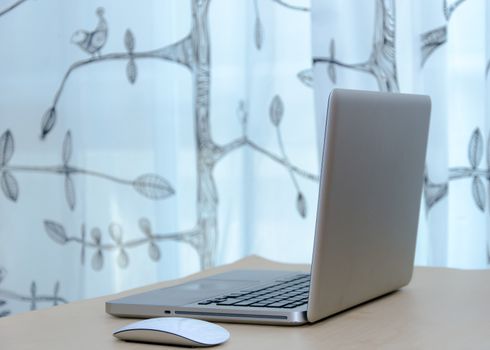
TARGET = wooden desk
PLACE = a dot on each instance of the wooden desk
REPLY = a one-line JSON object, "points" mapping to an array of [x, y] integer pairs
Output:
{"points": [[440, 309]]}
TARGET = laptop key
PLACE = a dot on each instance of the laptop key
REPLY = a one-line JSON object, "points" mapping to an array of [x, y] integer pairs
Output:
{"points": [[228, 302], [243, 297], [279, 303], [259, 304], [246, 302]]}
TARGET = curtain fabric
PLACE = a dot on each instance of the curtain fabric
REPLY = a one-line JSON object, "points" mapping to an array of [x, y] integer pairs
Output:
{"points": [[144, 141], [438, 48], [147, 140]]}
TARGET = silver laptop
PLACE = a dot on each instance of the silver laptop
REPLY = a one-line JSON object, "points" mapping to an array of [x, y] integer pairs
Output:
{"points": [[366, 226]]}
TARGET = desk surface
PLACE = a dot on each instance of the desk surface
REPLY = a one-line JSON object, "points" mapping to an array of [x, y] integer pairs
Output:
{"points": [[439, 309]]}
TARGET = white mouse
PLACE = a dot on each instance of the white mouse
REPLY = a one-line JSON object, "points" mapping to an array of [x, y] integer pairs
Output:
{"points": [[174, 331]]}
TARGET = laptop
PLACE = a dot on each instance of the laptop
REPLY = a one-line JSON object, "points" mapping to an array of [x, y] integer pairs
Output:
{"points": [[366, 226]]}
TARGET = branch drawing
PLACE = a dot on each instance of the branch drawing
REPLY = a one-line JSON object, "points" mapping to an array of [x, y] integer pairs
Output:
{"points": [[92, 42], [57, 233], [11, 7], [151, 186], [381, 63], [276, 112], [449, 9], [193, 52], [33, 298], [431, 40]]}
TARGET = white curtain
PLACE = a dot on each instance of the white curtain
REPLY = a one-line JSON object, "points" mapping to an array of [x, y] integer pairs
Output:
{"points": [[146, 140], [437, 48]]}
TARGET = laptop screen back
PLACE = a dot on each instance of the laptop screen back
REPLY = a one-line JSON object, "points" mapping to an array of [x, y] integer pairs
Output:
{"points": [[370, 192]]}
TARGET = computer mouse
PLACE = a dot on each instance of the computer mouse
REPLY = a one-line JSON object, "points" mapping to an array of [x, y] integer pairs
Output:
{"points": [[174, 331]]}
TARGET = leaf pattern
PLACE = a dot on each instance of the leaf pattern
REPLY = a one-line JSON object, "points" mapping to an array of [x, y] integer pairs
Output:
{"points": [[48, 121], [301, 205], [430, 41], [475, 148], [96, 235], [433, 192], [123, 259], [306, 77], [276, 110], [33, 289], [331, 67], [67, 148], [129, 41], [6, 147], [116, 232], [56, 231], [259, 33], [131, 71], [70, 192], [153, 186], [9, 185], [478, 190], [98, 260], [145, 226], [154, 251], [33, 295]]}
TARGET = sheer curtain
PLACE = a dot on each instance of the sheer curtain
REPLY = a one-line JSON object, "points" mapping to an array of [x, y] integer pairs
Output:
{"points": [[145, 141], [437, 48]]}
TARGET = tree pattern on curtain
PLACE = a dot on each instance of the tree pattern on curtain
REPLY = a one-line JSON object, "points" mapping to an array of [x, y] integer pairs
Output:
{"points": [[381, 63], [193, 53]]}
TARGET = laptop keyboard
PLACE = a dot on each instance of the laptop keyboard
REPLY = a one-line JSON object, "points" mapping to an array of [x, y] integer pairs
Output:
{"points": [[288, 294]]}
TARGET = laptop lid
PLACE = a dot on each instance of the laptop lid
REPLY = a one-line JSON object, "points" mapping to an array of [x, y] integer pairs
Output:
{"points": [[370, 191]]}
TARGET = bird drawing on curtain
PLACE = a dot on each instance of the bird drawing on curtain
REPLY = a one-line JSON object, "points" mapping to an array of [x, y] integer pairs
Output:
{"points": [[92, 41]]}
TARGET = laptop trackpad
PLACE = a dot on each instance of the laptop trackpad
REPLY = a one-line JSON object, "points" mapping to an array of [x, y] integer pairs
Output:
{"points": [[212, 285]]}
